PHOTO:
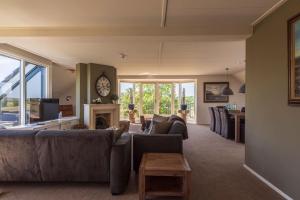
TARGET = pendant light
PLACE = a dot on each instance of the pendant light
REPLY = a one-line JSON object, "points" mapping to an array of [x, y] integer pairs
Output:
{"points": [[227, 90]]}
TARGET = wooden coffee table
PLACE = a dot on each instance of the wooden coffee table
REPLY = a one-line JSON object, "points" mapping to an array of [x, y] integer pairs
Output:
{"points": [[164, 174]]}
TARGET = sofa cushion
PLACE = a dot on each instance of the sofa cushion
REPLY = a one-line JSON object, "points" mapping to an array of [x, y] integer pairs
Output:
{"points": [[18, 158], [159, 118], [161, 127], [179, 127], [74, 155], [174, 118]]}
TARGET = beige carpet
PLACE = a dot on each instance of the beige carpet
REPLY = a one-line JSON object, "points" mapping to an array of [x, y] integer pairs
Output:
{"points": [[217, 174]]}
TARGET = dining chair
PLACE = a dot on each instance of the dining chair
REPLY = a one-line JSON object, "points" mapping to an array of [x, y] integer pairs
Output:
{"points": [[228, 125], [218, 123], [212, 119]]}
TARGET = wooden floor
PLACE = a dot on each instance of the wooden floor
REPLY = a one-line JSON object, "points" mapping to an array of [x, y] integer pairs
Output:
{"points": [[217, 174]]}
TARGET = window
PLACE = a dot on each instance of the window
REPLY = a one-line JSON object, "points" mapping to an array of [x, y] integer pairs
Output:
{"points": [[189, 98], [163, 98], [148, 98], [35, 85], [125, 93], [9, 91], [11, 83]]}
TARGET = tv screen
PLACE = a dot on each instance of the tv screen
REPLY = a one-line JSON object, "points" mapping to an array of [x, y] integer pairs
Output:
{"points": [[49, 109]]}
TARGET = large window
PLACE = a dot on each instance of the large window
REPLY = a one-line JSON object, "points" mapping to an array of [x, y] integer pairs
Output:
{"points": [[17, 79], [148, 98], [162, 98], [165, 98], [9, 91], [35, 85], [189, 98]]}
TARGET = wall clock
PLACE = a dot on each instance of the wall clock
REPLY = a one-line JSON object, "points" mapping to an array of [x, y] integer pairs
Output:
{"points": [[103, 85]]}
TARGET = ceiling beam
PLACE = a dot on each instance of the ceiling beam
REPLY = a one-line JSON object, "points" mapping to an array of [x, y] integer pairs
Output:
{"points": [[240, 31], [160, 52], [164, 14]]}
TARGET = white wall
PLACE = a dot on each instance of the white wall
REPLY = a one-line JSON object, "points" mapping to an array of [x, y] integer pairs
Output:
{"points": [[63, 85], [241, 76], [202, 108]]}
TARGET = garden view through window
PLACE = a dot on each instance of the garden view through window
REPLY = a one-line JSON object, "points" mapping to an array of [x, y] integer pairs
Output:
{"points": [[163, 98]]}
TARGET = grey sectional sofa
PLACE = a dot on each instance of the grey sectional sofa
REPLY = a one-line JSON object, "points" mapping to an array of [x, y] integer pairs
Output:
{"points": [[65, 156]]}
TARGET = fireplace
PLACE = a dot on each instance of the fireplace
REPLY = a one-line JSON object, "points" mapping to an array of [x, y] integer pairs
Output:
{"points": [[103, 121], [101, 116]]}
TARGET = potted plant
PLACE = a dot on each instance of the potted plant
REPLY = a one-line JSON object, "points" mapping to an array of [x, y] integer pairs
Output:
{"points": [[131, 106], [183, 105], [114, 98], [131, 114]]}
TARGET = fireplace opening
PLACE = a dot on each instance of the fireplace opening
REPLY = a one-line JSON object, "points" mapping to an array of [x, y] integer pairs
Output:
{"points": [[103, 121]]}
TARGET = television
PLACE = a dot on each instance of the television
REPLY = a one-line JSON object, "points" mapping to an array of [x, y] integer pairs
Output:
{"points": [[44, 109]]}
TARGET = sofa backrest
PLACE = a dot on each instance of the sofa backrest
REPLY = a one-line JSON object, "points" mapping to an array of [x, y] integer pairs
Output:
{"points": [[74, 155], [179, 128], [18, 158]]}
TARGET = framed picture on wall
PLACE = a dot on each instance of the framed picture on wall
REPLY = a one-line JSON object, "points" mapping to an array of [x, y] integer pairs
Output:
{"points": [[213, 92], [294, 60]]}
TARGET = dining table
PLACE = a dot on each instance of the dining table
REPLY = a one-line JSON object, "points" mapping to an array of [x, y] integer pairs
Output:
{"points": [[238, 115]]}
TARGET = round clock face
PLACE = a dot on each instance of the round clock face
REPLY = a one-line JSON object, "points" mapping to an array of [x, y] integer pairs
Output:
{"points": [[103, 86]]}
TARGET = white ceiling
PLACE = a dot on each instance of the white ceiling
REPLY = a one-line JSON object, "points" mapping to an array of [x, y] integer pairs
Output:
{"points": [[200, 37]]}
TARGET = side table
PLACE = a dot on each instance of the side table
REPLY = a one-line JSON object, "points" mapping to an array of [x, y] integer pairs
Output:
{"points": [[164, 174]]}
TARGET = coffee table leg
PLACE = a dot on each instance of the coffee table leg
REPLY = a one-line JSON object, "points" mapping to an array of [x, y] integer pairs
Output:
{"points": [[186, 186], [141, 185]]}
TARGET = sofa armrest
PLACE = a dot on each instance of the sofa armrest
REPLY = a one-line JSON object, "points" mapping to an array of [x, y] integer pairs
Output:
{"points": [[120, 164], [154, 143]]}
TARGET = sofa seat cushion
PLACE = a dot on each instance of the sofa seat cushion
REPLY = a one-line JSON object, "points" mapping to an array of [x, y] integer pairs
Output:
{"points": [[18, 158], [74, 155]]}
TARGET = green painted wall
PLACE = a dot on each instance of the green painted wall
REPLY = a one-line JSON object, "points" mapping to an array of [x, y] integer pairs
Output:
{"points": [[272, 127], [93, 72], [86, 77], [81, 89]]}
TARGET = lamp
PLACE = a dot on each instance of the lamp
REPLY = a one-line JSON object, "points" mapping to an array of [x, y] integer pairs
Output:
{"points": [[227, 90], [243, 89]]}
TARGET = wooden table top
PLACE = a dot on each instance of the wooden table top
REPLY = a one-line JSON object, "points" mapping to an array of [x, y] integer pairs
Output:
{"points": [[237, 113], [164, 162]]}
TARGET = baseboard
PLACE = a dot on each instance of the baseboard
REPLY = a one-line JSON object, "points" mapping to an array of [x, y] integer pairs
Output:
{"points": [[276, 189]]}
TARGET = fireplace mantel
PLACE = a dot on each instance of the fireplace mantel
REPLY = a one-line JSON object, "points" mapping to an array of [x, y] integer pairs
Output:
{"points": [[92, 110]]}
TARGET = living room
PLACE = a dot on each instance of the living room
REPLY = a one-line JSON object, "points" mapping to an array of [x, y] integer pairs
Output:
{"points": [[139, 99]]}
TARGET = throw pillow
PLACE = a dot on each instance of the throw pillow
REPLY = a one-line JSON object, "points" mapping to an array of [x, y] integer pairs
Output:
{"points": [[158, 118], [176, 118], [161, 127]]}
